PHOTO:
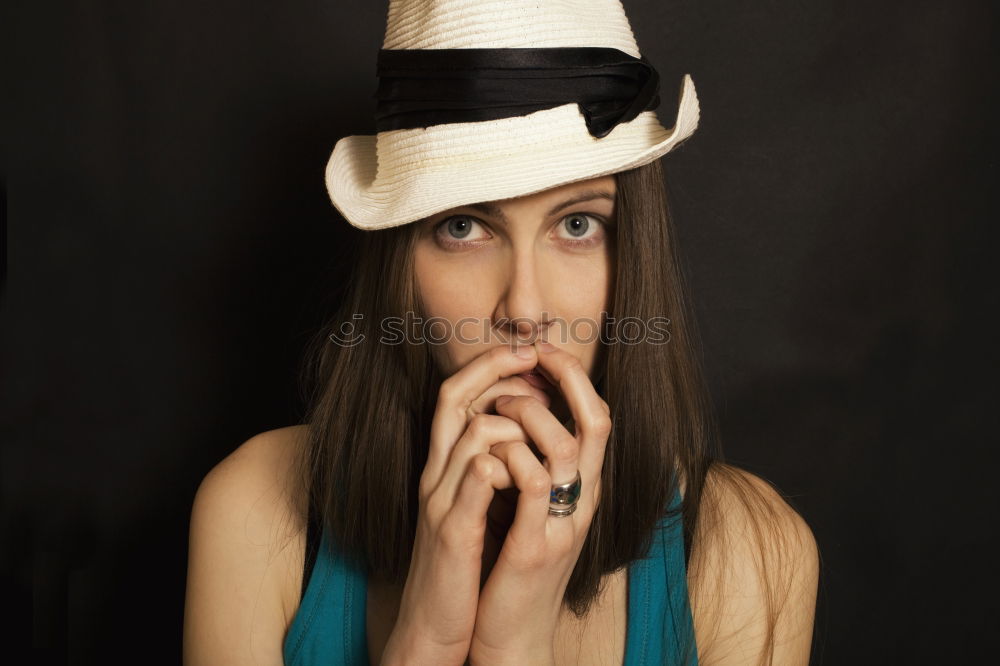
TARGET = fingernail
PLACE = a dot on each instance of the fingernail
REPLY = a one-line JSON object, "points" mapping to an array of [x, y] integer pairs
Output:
{"points": [[503, 400], [546, 346], [523, 351]]}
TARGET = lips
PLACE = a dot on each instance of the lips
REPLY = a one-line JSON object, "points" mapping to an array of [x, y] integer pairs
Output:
{"points": [[537, 380]]}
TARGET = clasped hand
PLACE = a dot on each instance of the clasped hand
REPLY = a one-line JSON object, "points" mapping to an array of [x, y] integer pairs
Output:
{"points": [[521, 601], [444, 615]]}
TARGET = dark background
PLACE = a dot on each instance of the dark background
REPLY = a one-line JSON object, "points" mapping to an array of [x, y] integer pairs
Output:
{"points": [[170, 246]]}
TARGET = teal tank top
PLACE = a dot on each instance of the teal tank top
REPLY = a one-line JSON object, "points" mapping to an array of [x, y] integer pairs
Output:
{"points": [[329, 626]]}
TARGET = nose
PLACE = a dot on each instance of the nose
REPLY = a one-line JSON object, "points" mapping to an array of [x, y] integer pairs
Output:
{"points": [[522, 307]]}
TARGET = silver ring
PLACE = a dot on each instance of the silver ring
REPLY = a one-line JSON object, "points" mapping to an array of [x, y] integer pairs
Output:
{"points": [[564, 496]]}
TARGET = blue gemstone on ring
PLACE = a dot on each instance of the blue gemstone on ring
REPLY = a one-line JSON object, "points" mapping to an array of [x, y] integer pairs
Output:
{"points": [[566, 493]]}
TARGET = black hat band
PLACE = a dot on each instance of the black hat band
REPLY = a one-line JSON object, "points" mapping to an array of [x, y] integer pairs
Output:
{"points": [[419, 88]]}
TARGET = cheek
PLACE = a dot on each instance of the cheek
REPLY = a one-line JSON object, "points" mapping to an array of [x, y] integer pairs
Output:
{"points": [[583, 289], [450, 291], [581, 297]]}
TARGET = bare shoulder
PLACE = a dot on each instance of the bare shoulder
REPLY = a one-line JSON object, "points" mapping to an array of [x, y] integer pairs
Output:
{"points": [[753, 573], [245, 553]]}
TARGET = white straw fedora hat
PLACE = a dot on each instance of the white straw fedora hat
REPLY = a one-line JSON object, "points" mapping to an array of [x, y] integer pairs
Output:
{"points": [[483, 100]]}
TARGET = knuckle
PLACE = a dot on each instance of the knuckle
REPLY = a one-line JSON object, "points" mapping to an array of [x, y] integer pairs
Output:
{"points": [[600, 425], [447, 391], [566, 449], [538, 483], [481, 467]]}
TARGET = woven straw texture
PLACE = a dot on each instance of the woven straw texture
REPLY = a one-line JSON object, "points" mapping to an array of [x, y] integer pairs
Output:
{"points": [[401, 176]]}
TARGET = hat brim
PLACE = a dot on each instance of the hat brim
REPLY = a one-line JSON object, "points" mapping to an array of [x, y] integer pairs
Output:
{"points": [[426, 171]]}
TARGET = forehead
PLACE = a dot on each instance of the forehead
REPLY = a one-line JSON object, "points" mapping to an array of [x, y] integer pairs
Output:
{"points": [[602, 183], [601, 189]]}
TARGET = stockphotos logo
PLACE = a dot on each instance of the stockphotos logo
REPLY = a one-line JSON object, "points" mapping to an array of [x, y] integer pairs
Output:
{"points": [[415, 330]]}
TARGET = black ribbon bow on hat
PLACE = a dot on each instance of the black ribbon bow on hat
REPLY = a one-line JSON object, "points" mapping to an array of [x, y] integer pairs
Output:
{"points": [[424, 87]]}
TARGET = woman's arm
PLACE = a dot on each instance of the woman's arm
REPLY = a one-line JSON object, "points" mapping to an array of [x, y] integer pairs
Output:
{"points": [[755, 575], [245, 557]]}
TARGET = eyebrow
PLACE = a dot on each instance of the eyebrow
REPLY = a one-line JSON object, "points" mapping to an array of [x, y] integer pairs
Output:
{"points": [[494, 210]]}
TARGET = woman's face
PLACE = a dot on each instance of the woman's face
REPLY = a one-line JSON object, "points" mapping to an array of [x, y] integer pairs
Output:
{"points": [[508, 271]]}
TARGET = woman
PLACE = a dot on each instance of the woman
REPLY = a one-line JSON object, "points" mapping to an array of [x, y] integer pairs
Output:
{"points": [[508, 456]]}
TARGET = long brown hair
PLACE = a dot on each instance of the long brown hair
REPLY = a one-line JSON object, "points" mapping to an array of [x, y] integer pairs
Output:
{"points": [[369, 407]]}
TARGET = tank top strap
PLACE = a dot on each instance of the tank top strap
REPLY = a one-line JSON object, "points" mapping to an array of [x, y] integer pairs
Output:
{"points": [[660, 628], [329, 626]]}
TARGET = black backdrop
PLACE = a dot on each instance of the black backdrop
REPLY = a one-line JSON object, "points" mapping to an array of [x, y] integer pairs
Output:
{"points": [[170, 246]]}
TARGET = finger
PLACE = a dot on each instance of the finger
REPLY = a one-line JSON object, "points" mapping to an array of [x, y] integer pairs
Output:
{"points": [[483, 431], [560, 448], [591, 413], [516, 385], [483, 476], [528, 531], [457, 393]]}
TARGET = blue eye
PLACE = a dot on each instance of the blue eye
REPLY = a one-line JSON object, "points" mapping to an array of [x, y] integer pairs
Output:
{"points": [[583, 228], [576, 224], [459, 227], [458, 231]]}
